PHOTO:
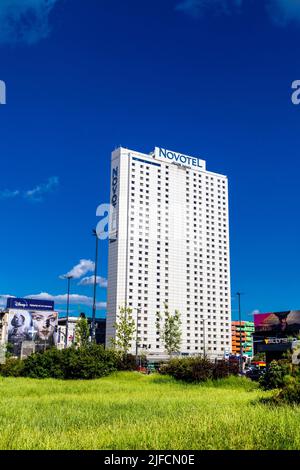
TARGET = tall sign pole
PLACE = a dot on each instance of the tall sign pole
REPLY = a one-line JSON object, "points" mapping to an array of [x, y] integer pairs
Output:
{"points": [[241, 344], [95, 290], [68, 306]]}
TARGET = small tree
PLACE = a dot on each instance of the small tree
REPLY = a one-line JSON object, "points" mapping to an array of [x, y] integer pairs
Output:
{"points": [[125, 329], [82, 332], [170, 332]]}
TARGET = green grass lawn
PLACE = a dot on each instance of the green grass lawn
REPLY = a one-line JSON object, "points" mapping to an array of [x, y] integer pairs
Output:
{"points": [[134, 411]]}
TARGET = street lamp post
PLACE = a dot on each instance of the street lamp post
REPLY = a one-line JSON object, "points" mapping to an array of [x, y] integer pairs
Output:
{"points": [[136, 336], [240, 321], [68, 306], [61, 335], [93, 329]]}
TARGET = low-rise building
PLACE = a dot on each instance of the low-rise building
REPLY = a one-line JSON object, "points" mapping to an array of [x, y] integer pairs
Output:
{"points": [[61, 332], [242, 330]]}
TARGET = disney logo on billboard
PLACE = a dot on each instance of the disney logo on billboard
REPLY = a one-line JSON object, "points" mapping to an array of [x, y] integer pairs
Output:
{"points": [[2, 92], [23, 304]]}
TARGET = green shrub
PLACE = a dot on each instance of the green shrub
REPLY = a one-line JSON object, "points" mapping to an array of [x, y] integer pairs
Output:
{"points": [[275, 375], [43, 365], [127, 362], [223, 369], [188, 369], [12, 368], [198, 369], [290, 394], [89, 362]]}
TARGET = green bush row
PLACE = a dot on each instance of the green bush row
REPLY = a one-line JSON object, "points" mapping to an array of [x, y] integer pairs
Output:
{"points": [[88, 362], [198, 369]]}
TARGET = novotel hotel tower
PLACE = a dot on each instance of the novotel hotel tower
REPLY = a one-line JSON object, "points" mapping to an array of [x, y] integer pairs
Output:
{"points": [[169, 244]]}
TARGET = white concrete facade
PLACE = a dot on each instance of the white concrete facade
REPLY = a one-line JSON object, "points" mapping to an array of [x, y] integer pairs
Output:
{"points": [[169, 242]]}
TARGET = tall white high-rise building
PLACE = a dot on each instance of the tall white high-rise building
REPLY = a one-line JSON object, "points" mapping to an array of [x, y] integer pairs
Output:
{"points": [[169, 244]]}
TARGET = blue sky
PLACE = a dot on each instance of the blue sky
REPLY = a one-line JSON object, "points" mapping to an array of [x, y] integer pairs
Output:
{"points": [[211, 79]]}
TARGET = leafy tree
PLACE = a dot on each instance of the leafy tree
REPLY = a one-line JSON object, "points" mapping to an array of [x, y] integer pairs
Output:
{"points": [[125, 329], [82, 332], [169, 328], [259, 357], [9, 350]]}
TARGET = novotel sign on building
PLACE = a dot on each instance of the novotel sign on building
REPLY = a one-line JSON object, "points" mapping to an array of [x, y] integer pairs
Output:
{"points": [[179, 158]]}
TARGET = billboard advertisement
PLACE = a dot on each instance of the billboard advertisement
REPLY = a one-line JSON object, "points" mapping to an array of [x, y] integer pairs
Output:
{"points": [[32, 325], [278, 323], [32, 304]]}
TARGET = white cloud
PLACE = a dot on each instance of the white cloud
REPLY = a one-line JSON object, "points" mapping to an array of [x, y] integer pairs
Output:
{"points": [[25, 21], [85, 266], [9, 194], [36, 194], [89, 281], [197, 8], [284, 11], [255, 312], [64, 310], [75, 299], [3, 299], [281, 12]]}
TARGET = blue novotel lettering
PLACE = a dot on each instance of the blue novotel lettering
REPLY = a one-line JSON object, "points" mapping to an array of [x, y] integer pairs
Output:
{"points": [[114, 203], [179, 158], [115, 182]]}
